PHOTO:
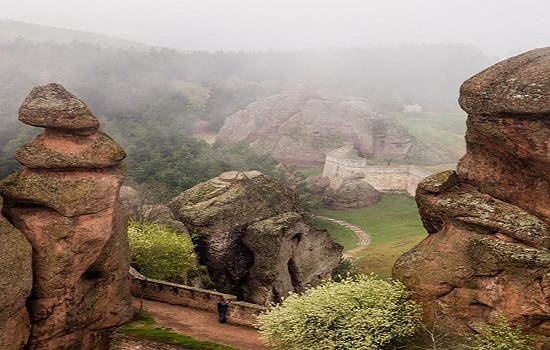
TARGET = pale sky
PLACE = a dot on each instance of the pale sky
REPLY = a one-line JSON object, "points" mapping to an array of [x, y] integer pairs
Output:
{"points": [[498, 27]]}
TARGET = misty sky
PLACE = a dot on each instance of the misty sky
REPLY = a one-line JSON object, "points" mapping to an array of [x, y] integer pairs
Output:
{"points": [[498, 27]]}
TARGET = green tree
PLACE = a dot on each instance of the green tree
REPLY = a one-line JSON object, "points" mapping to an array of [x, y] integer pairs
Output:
{"points": [[159, 252], [360, 313], [502, 336]]}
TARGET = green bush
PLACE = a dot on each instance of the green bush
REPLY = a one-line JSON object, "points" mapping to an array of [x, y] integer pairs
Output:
{"points": [[360, 313], [159, 252], [502, 336]]}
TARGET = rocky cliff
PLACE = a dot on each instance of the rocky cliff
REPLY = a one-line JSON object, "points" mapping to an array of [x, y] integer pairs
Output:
{"points": [[253, 237], [300, 126], [65, 202], [487, 252]]}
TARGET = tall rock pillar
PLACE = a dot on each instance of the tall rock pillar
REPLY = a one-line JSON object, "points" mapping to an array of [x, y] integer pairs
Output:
{"points": [[488, 248], [65, 201]]}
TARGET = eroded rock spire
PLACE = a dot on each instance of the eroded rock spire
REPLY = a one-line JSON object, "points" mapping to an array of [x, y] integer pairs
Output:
{"points": [[65, 201]]}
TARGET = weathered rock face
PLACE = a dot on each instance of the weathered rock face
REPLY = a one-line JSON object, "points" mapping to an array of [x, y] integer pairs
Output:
{"points": [[66, 204], [488, 249], [253, 236], [299, 127], [15, 286]]}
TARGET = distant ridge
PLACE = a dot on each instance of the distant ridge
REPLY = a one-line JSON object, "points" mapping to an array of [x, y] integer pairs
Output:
{"points": [[11, 30]]}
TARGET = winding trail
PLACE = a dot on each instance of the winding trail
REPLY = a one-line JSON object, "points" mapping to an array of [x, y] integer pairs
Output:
{"points": [[364, 237]]}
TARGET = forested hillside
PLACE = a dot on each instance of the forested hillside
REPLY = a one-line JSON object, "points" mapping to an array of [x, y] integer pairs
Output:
{"points": [[151, 101]]}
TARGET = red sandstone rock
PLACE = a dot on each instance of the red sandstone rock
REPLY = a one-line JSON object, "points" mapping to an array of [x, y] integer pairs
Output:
{"points": [[51, 106], [508, 138], [55, 149], [66, 204], [488, 249], [15, 286]]}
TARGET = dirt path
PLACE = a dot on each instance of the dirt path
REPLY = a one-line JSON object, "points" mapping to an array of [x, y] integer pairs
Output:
{"points": [[364, 237], [203, 325]]}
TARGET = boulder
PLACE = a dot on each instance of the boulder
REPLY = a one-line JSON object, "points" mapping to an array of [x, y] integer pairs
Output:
{"points": [[289, 256], [65, 201], [352, 193], [487, 252], [246, 221], [15, 286]]}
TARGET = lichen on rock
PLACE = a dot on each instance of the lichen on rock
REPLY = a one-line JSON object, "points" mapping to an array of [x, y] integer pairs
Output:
{"points": [[65, 202], [488, 249], [247, 221]]}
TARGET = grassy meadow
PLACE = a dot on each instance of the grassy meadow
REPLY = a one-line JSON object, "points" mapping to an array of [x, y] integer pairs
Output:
{"points": [[393, 223]]}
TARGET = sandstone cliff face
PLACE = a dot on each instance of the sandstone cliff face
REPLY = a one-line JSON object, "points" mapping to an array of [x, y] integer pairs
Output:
{"points": [[253, 236], [299, 127], [65, 201], [488, 248], [15, 286]]}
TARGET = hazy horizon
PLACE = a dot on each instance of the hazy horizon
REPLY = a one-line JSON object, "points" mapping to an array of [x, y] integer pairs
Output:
{"points": [[499, 28]]}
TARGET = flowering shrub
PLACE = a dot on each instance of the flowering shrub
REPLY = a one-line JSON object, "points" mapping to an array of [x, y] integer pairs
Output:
{"points": [[360, 313]]}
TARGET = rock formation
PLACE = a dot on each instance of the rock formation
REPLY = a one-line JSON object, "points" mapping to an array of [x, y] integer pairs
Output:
{"points": [[15, 286], [351, 194], [300, 126], [252, 236], [487, 252], [65, 201]]}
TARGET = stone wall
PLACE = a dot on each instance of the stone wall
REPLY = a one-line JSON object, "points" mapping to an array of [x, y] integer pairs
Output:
{"points": [[239, 312], [344, 164]]}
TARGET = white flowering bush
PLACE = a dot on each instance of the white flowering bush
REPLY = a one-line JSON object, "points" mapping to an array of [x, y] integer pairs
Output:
{"points": [[359, 313], [159, 252]]}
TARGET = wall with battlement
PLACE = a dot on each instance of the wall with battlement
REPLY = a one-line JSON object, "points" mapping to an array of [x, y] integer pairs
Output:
{"points": [[239, 312], [344, 164]]}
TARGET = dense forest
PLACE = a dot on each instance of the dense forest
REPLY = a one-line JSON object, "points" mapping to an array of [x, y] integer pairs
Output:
{"points": [[151, 101]]}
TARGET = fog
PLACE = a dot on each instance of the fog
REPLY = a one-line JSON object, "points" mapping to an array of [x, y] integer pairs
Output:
{"points": [[498, 27]]}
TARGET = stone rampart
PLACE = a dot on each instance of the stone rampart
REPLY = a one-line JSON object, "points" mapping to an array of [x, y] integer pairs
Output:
{"points": [[239, 312], [344, 164]]}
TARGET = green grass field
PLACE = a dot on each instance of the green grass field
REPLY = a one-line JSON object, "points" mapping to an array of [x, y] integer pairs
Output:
{"points": [[393, 223]]}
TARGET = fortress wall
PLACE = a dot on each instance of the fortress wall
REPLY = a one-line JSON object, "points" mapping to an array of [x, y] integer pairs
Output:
{"points": [[344, 164], [239, 312]]}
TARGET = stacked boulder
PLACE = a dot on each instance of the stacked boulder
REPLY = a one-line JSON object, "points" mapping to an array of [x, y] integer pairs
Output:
{"points": [[487, 252], [65, 201]]}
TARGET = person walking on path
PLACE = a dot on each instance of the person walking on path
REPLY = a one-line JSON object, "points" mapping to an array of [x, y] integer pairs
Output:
{"points": [[223, 305]]}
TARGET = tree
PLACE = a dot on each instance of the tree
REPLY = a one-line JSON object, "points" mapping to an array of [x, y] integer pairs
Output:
{"points": [[158, 252], [360, 313], [502, 336]]}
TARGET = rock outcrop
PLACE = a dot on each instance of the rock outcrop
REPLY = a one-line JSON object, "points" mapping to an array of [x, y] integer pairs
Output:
{"points": [[300, 126], [351, 194], [252, 236], [15, 286], [487, 252], [65, 201]]}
